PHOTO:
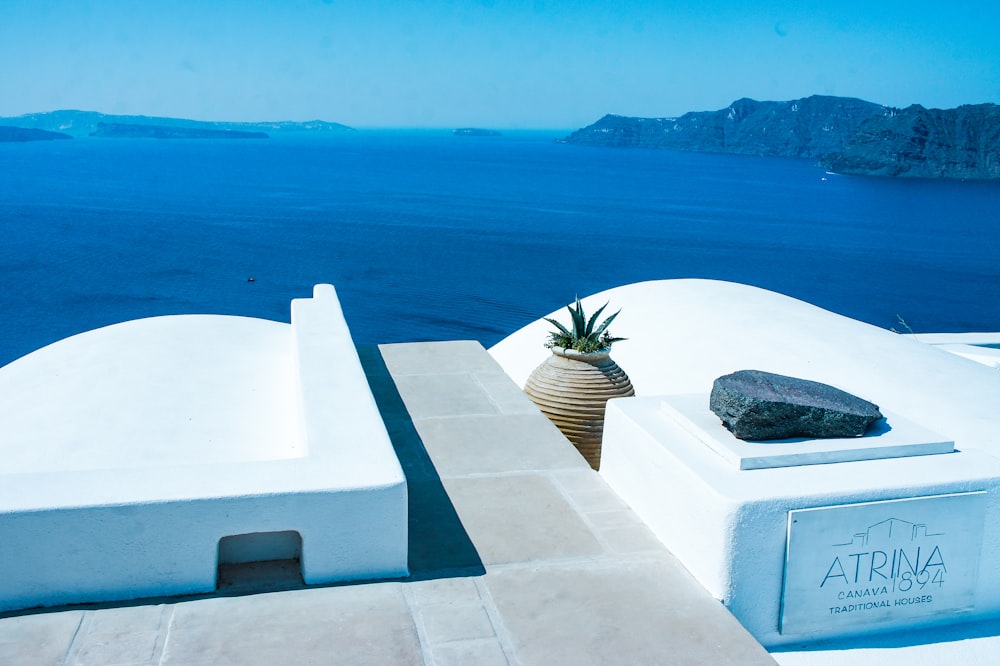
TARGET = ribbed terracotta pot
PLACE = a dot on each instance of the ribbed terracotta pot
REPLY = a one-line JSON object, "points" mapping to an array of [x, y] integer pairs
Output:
{"points": [[572, 389]]}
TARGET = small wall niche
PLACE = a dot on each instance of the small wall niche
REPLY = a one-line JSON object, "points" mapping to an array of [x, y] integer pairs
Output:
{"points": [[260, 547], [260, 562]]}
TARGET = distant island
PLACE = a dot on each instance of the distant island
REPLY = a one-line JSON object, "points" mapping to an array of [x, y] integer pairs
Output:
{"points": [[843, 134], [85, 123], [474, 131], [21, 134], [126, 131]]}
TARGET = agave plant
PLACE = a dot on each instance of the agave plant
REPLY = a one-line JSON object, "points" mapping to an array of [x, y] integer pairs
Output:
{"points": [[583, 337]]}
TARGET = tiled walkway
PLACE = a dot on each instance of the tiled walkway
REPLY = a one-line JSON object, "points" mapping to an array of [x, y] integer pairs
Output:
{"points": [[519, 554]]}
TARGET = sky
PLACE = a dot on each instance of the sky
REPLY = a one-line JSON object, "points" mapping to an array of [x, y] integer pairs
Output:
{"points": [[542, 64]]}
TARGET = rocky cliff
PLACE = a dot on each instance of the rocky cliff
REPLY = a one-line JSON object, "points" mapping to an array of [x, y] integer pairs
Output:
{"points": [[926, 143], [846, 135], [22, 134], [809, 127], [127, 131]]}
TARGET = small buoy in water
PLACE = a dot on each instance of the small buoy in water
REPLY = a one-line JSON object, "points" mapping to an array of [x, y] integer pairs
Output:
{"points": [[251, 279]]}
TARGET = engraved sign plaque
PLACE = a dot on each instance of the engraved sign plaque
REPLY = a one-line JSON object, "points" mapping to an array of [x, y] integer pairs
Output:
{"points": [[881, 563]]}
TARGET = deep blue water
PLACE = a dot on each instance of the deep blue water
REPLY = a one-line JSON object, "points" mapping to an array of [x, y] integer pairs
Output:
{"points": [[428, 236]]}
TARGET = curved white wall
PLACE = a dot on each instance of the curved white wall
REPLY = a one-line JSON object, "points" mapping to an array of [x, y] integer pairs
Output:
{"points": [[683, 334]]}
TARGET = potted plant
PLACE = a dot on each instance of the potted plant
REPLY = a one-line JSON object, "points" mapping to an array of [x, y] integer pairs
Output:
{"points": [[572, 387]]}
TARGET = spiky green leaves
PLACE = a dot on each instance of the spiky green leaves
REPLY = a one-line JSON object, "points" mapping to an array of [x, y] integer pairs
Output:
{"points": [[583, 337]]}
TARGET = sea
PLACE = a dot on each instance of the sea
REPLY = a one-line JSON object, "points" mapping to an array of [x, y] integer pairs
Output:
{"points": [[432, 236]]}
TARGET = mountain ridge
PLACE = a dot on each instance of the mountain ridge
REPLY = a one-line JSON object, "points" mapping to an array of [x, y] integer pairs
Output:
{"points": [[917, 142], [9, 134], [844, 134], [129, 131], [85, 123]]}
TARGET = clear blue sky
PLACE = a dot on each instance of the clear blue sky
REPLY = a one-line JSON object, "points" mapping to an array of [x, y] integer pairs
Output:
{"points": [[491, 63]]}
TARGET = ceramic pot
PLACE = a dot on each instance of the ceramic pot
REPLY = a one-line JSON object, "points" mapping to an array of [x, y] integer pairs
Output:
{"points": [[572, 389]]}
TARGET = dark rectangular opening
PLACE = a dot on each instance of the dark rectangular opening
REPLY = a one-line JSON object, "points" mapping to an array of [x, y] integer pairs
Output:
{"points": [[260, 562]]}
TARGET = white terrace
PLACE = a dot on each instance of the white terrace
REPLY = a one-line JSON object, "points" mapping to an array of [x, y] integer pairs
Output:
{"points": [[141, 460]]}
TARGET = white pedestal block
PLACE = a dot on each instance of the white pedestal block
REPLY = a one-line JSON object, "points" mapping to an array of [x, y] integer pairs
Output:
{"points": [[866, 566]]}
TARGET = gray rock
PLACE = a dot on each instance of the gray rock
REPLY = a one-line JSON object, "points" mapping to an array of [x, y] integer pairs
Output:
{"points": [[756, 405]]}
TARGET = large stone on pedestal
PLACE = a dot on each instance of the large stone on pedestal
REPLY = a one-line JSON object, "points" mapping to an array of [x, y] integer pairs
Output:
{"points": [[756, 405]]}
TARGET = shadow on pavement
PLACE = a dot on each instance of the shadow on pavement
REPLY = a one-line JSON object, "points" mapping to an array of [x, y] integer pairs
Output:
{"points": [[439, 546]]}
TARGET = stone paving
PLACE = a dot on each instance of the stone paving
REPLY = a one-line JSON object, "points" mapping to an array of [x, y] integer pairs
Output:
{"points": [[519, 554]]}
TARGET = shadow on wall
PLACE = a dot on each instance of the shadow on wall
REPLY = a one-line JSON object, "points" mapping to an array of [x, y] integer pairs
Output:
{"points": [[439, 546]]}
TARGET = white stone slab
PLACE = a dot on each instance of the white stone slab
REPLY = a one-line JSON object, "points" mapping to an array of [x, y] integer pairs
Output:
{"points": [[892, 437], [881, 563]]}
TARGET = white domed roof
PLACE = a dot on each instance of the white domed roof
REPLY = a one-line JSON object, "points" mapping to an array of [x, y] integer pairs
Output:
{"points": [[683, 334], [161, 391]]}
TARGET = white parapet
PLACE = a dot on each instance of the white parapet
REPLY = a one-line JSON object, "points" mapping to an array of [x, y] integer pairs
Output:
{"points": [[129, 452]]}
